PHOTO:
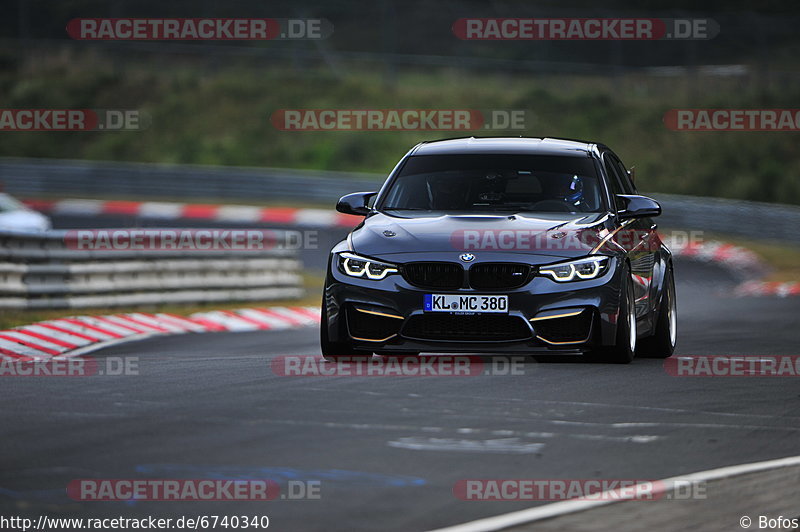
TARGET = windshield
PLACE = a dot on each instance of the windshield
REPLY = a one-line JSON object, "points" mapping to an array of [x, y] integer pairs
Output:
{"points": [[495, 183]]}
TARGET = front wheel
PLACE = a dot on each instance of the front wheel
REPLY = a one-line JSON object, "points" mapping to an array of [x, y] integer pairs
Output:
{"points": [[662, 343], [624, 348]]}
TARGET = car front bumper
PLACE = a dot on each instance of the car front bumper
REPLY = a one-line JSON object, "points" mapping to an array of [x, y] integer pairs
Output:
{"points": [[544, 316]]}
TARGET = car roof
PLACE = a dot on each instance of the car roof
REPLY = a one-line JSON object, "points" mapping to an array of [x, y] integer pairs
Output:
{"points": [[498, 145]]}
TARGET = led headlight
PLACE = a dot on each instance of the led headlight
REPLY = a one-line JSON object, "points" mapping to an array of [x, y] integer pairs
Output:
{"points": [[357, 266], [576, 270]]}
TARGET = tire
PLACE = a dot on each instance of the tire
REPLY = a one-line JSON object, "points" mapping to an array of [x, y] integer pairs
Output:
{"points": [[334, 351], [624, 349], [662, 343]]}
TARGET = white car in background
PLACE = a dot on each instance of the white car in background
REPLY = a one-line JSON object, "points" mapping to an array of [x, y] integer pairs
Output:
{"points": [[15, 216]]}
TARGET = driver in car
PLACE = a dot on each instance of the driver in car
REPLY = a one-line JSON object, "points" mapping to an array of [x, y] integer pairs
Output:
{"points": [[447, 193]]}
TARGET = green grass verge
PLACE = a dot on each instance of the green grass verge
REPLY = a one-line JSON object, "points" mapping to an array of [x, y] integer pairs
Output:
{"points": [[221, 116]]}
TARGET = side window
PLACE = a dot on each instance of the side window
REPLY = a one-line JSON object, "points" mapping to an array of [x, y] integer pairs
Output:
{"points": [[627, 184], [613, 181]]}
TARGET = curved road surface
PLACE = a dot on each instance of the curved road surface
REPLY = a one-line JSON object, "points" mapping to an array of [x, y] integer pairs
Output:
{"points": [[388, 450]]}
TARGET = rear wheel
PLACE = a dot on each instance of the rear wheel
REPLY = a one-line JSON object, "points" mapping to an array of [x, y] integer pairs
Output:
{"points": [[662, 343], [335, 350], [624, 348]]}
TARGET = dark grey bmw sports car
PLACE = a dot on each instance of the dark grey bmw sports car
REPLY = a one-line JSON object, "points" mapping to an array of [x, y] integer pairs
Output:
{"points": [[502, 245]]}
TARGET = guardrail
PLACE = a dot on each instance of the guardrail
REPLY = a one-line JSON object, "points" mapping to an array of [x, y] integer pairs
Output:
{"points": [[750, 219], [63, 177], [69, 178], [39, 270]]}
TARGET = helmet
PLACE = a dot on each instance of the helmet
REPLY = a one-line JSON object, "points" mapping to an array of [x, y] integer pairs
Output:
{"points": [[574, 193]]}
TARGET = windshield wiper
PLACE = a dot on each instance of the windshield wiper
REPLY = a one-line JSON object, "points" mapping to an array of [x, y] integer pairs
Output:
{"points": [[507, 207]]}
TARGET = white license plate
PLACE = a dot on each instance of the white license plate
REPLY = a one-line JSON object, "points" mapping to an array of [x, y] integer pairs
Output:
{"points": [[466, 303]]}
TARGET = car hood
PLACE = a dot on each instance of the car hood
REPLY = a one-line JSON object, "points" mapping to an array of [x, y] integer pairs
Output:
{"points": [[554, 235]]}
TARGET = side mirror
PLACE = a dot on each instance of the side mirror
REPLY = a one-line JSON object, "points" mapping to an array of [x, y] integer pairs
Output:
{"points": [[355, 203], [638, 207]]}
